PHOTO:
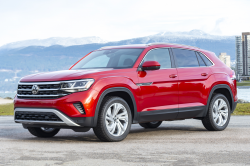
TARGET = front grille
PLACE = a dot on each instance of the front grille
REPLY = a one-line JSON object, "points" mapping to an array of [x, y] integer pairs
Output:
{"points": [[36, 116], [49, 86], [41, 90], [25, 86], [47, 92]]}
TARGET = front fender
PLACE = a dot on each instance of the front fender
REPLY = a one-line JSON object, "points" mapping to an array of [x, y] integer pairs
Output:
{"points": [[114, 84]]}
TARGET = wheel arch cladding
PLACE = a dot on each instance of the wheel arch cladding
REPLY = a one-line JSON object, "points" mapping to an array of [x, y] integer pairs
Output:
{"points": [[122, 92], [221, 89]]}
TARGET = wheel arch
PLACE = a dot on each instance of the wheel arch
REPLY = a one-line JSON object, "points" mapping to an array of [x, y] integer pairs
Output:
{"points": [[222, 89], [122, 92]]}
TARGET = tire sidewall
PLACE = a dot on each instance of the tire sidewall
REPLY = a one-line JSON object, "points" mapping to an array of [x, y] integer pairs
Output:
{"points": [[219, 96], [104, 111]]}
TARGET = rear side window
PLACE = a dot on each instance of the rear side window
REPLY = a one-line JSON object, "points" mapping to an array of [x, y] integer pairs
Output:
{"points": [[160, 55], [185, 58], [207, 61], [201, 62]]}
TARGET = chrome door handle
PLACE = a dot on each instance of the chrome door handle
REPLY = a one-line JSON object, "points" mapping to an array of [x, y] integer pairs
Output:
{"points": [[203, 74], [172, 76]]}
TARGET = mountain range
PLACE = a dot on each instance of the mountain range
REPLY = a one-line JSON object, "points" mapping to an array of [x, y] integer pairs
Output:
{"points": [[31, 56]]}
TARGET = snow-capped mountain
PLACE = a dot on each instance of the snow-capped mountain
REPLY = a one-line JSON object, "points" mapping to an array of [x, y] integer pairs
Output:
{"points": [[195, 34], [172, 37], [28, 57], [63, 41]]}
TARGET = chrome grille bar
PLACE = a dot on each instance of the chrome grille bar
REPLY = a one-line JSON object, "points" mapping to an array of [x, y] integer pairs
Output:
{"points": [[42, 90]]}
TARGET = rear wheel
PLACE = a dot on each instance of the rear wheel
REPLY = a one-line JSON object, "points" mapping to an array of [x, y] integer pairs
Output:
{"points": [[153, 124], [218, 115], [114, 120], [43, 132]]}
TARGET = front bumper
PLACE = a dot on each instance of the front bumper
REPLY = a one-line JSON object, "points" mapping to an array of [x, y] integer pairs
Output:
{"points": [[36, 117], [64, 104]]}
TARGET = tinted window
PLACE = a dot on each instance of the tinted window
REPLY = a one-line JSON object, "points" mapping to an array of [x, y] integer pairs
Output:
{"points": [[113, 58], [201, 62], [207, 61], [160, 55], [185, 58]]}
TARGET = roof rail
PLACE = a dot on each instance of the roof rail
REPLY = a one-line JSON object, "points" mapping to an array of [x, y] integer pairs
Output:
{"points": [[150, 44]]}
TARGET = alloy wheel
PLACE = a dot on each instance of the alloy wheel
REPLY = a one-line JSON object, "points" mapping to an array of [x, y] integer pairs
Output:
{"points": [[116, 119], [220, 112]]}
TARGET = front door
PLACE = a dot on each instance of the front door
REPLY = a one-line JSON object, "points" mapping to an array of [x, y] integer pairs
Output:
{"points": [[158, 88]]}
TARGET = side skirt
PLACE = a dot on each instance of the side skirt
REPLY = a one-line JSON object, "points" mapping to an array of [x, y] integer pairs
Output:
{"points": [[191, 112], [158, 115], [172, 114]]}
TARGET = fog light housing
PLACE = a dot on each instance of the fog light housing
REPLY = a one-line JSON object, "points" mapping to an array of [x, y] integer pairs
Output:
{"points": [[79, 107]]}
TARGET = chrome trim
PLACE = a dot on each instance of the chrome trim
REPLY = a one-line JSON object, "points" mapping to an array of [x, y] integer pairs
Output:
{"points": [[41, 95], [139, 66], [207, 58], [66, 120], [71, 90], [28, 83], [201, 57], [39, 89], [144, 84]]}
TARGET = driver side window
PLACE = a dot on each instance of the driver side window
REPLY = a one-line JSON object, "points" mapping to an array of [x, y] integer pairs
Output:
{"points": [[160, 55]]}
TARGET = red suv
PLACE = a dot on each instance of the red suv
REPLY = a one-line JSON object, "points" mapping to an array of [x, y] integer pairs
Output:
{"points": [[113, 87]]}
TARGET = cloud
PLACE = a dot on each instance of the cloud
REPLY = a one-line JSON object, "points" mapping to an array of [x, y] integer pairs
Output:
{"points": [[116, 19], [5, 70], [217, 30]]}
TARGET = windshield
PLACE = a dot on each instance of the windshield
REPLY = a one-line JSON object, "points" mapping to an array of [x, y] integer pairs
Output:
{"points": [[113, 58]]}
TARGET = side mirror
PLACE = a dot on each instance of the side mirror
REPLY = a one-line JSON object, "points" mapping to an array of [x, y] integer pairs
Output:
{"points": [[151, 65]]}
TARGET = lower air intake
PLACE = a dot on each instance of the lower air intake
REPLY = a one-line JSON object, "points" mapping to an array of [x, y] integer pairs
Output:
{"points": [[36, 116]]}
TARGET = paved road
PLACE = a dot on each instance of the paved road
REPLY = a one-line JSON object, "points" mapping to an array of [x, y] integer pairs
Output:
{"points": [[173, 143]]}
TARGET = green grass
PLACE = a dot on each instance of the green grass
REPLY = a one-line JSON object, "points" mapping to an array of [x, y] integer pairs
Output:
{"points": [[243, 83], [241, 109], [7, 109]]}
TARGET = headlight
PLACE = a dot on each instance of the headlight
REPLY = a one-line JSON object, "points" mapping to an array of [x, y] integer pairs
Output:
{"points": [[77, 85]]}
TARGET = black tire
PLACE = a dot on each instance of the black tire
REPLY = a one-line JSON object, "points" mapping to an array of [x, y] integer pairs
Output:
{"points": [[39, 132], [101, 130], [208, 121], [150, 124]]}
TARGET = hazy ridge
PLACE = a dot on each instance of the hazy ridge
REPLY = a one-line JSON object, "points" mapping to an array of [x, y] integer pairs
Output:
{"points": [[19, 59]]}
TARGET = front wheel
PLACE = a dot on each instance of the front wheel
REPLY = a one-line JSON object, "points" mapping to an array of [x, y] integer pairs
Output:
{"points": [[218, 115], [153, 124], [43, 132], [114, 120]]}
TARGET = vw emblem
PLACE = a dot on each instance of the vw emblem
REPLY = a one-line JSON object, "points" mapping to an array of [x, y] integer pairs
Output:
{"points": [[35, 89]]}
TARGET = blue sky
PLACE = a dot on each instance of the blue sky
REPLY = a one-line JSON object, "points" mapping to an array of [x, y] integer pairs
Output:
{"points": [[117, 20]]}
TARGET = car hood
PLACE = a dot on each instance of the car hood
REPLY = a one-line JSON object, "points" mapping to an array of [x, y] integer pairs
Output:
{"points": [[63, 75]]}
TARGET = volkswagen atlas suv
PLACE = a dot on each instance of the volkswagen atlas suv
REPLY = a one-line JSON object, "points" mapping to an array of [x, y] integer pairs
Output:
{"points": [[113, 87]]}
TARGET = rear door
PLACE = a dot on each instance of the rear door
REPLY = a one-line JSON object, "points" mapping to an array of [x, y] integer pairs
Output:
{"points": [[158, 88], [193, 77]]}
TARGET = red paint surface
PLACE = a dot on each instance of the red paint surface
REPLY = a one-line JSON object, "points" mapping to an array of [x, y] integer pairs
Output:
{"points": [[171, 88]]}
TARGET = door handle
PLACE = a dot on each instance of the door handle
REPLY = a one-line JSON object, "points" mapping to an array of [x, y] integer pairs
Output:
{"points": [[203, 74], [172, 76]]}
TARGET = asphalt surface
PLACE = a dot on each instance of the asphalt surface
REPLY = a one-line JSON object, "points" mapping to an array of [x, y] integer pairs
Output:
{"points": [[173, 143]]}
